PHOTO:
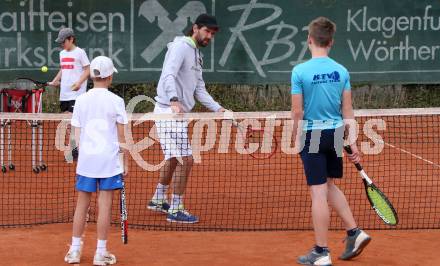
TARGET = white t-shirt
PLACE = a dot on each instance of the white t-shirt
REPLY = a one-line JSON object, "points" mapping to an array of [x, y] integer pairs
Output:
{"points": [[96, 113], [71, 64]]}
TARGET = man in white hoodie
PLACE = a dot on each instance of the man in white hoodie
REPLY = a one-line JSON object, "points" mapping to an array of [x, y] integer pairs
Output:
{"points": [[180, 83]]}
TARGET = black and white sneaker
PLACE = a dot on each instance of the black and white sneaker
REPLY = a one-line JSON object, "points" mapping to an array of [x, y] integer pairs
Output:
{"points": [[158, 206]]}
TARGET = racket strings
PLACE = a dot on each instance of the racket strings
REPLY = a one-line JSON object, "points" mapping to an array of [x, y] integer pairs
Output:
{"points": [[25, 84], [381, 205]]}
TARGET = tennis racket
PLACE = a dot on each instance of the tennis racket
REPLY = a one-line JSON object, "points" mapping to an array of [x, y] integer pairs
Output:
{"points": [[23, 83], [378, 201], [123, 205], [36, 87], [265, 140]]}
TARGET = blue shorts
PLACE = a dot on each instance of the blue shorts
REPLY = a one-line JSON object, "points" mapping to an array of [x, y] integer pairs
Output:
{"points": [[323, 159], [88, 184]]}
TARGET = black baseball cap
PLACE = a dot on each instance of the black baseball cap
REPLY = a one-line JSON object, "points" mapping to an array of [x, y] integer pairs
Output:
{"points": [[207, 21]]}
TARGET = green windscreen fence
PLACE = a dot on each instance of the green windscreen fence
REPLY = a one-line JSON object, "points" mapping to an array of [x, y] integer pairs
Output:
{"points": [[259, 41]]}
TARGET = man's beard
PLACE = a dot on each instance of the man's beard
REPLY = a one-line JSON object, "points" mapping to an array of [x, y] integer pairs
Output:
{"points": [[202, 43]]}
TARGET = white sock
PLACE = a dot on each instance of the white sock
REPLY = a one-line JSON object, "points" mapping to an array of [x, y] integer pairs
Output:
{"points": [[76, 244], [176, 201], [101, 247], [161, 192]]}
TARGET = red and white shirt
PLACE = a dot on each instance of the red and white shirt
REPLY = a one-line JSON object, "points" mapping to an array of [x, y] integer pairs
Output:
{"points": [[71, 64]]}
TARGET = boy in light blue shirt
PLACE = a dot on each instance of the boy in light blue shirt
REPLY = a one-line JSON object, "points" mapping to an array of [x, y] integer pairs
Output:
{"points": [[321, 100]]}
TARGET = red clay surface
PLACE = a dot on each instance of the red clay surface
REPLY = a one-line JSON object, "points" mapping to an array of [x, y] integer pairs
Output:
{"points": [[47, 245]]}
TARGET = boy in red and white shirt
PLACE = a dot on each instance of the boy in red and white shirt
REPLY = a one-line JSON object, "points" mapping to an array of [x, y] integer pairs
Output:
{"points": [[74, 71], [72, 77]]}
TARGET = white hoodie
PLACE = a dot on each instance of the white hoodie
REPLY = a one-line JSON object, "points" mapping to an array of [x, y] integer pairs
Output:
{"points": [[182, 76]]}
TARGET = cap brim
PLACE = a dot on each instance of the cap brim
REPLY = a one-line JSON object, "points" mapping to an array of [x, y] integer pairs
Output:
{"points": [[115, 70], [212, 27], [61, 40]]}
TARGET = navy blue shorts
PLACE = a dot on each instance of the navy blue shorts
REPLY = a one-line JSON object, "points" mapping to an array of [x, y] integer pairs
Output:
{"points": [[88, 184], [67, 106], [322, 157]]}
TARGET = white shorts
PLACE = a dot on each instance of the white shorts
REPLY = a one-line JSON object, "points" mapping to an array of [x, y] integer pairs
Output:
{"points": [[173, 135]]}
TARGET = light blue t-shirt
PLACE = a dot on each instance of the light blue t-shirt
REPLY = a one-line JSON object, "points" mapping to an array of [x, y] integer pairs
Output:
{"points": [[321, 81]]}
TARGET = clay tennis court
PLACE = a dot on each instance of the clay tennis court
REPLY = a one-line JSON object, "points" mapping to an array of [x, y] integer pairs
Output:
{"points": [[47, 245], [235, 193]]}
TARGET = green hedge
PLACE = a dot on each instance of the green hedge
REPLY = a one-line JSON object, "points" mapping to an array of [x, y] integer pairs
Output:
{"points": [[277, 97]]}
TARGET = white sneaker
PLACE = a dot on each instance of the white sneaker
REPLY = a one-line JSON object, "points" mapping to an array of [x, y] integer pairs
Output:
{"points": [[73, 257], [104, 259], [315, 258], [355, 245]]}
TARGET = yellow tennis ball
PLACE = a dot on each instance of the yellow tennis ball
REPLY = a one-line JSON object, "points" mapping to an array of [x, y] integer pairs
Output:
{"points": [[44, 69]]}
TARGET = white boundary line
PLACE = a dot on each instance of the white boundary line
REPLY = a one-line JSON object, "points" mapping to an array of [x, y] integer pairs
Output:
{"points": [[410, 153]]}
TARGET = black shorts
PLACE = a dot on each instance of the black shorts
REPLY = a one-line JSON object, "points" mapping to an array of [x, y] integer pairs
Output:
{"points": [[67, 106], [322, 157]]}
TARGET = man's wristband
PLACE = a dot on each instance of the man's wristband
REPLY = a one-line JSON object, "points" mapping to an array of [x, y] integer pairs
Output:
{"points": [[174, 99]]}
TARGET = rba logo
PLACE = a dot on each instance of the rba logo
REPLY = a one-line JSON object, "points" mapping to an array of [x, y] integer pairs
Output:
{"points": [[281, 38], [333, 76], [152, 10]]}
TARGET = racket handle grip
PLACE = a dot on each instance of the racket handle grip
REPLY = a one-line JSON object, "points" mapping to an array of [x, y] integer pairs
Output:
{"points": [[358, 166], [347, 148], [349, 151]]}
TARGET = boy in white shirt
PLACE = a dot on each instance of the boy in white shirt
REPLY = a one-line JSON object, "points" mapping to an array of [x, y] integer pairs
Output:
{"points": [[99, 120], [72, 77]]}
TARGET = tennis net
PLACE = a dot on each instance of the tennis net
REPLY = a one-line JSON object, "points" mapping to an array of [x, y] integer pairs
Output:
{"points": [[228, 188]]}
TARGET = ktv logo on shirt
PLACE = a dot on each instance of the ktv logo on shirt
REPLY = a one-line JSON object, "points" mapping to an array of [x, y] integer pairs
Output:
{"points": [[326, 78]]}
